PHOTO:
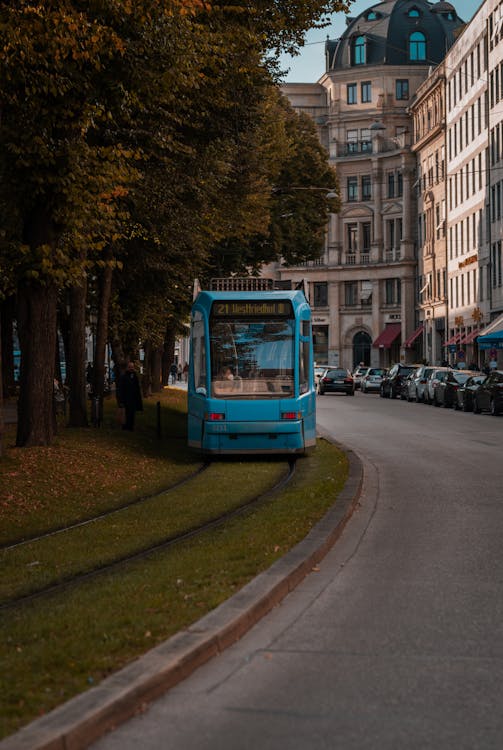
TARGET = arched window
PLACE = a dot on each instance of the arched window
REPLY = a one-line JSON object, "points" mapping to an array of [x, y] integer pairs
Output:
{"points": [[414, 13], [417, 46], [359, 51], [371, 15]]}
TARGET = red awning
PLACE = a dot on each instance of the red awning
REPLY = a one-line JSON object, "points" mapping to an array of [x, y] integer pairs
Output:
{"points": [[470, 337], [414, 336], [386, 337], [453, 340]]}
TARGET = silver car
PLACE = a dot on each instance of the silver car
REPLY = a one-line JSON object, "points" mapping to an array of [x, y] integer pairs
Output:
{"points": [[437, 375], [416, 385], [371, 380]]}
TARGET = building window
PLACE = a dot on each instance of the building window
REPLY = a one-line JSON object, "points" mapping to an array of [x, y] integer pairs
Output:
{"points": [[391, 184], [320, 294], [399, 184], [351, 93], [359, 51], [352, 237], [320, 343], [402, 88], [352, 141], [371, 15], [366, 236], [393, 291], [350, 293], [352, 189], [366, 142], [417, 46], [366, 91], [413, 13], [366, 188]]}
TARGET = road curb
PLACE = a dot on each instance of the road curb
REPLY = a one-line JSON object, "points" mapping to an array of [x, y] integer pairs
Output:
{"points": [[83, 719]]}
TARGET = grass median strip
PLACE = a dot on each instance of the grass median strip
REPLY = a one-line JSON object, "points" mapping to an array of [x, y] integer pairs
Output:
{"points": [[221, 488], [59, 645]]}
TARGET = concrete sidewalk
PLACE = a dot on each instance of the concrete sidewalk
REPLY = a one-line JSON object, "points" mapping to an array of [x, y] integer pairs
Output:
{"points": [[83, 719]]}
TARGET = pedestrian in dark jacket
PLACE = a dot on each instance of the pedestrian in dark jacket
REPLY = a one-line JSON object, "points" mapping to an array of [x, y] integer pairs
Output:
{"points": [[129, 395]]}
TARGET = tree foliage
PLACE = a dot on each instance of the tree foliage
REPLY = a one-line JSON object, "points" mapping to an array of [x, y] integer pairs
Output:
{"points": [[146, 137]]}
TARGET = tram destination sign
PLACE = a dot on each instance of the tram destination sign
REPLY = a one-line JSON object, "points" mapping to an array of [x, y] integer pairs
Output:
{"points": [[252, 308]]}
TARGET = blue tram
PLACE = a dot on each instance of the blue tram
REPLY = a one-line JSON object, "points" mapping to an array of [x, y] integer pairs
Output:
{"points": [[251, 378]]}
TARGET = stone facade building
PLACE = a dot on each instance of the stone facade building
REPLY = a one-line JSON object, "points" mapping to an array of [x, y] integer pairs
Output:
{"points": [[428, 114], [364, 288]]}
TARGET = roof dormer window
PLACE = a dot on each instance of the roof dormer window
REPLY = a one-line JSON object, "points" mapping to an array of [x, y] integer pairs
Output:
{"points": [[414, 13], [359, 51], [417, 46], [371, 15]]}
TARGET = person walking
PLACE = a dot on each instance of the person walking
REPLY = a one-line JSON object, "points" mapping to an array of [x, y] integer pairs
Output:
{"points": [[129, 395], [173, 370]]}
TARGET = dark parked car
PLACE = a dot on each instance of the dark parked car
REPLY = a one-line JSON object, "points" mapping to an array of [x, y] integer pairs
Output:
{"points": [[445, 391], [464, 395], [336, 380], [392, 383], [489, 394]]}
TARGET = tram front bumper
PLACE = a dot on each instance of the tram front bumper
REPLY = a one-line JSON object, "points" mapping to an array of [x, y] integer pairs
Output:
{"points": [[285, 436]]}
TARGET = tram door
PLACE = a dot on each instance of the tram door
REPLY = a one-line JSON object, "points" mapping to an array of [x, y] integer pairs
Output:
{"points": [[361, 348]]}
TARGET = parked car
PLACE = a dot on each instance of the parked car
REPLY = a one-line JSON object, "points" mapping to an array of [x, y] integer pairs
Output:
{"points": [[489, 394], [391, 384], [336, 380], [358, 374], [372, 379], [416, 383], [318, 372], [436, 375], [404, 389], [445, 390], [464, 395]]}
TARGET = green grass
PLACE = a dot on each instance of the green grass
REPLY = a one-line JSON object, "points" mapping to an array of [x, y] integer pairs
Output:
{"points": [[59, 645]]}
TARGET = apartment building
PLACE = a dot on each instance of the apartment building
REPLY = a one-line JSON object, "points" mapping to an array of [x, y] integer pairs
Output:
{"points": [[428, 114], [364, 288]]}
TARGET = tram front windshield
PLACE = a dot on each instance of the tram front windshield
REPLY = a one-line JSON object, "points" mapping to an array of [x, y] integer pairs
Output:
{"points": [[252, 357]]}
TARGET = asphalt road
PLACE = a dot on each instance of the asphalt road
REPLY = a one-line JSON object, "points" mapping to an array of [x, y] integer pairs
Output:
{"points": [[396, 641]]}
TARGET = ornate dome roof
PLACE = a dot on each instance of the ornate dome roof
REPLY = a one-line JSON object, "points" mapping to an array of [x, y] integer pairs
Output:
{"points": [[399, 32]]}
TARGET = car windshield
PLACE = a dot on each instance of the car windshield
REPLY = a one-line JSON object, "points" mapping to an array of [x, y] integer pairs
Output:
{"points": [[337, 373], [376, 371], [460, 377]]}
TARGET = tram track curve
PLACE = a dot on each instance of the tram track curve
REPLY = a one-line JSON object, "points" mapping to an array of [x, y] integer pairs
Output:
{"points": [[75, 580]]}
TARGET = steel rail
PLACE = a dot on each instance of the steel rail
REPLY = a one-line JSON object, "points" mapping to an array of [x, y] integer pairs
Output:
{"points": [[73, 581]]}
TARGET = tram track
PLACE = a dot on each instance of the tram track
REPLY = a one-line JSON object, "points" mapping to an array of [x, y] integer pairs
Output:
{"points": [[73, 581], [16, 544]]}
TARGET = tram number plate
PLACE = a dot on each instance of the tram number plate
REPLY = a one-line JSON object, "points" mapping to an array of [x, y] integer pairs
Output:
{"points": [[258, 308]]}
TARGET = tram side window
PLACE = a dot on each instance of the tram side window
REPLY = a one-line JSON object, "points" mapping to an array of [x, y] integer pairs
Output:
{"points": [[199, 356], [304, 358]]}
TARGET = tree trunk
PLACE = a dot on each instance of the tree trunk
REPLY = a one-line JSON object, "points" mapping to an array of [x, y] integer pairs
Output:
{"points": [[156, 357], [37, 317], [146, 378], [1, 391], [7, 369], [105, 294], [168, 355], [118, 355], [76, 365]]}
